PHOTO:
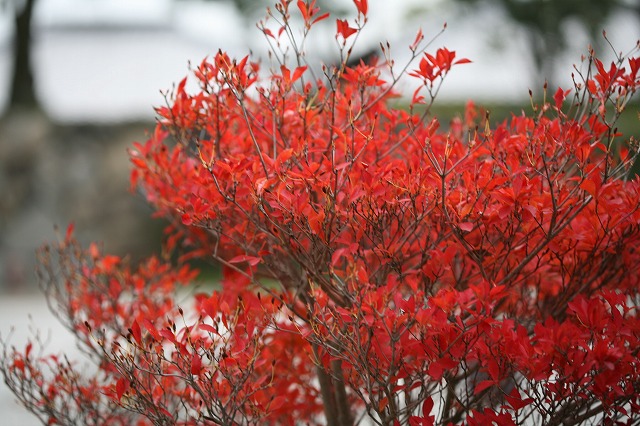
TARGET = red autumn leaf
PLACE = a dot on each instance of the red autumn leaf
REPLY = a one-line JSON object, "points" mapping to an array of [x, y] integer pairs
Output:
{"points": [[515, 400], [485, 384], [165, 412], [210, 305], [138, 162], [436, 370], [136, 332], [18, 363], [427, 406], [115, 288], [419, 38], [251, 260], [122, 385], [297, 73], [167, 334], [589, 186], [181, 86], [69, 233], [494, 370], [187, 220], [466, 226], [344, 29], [277, 402], [109, 262], [560, 96], [321, 18], [302, 6], [208, 328], [362, 6], [288, 78], [462, 61], [196, 364], [94, 251], [148, 325]]}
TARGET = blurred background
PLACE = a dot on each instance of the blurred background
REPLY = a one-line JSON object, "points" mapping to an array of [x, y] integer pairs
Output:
{"points": [[79, 80]]}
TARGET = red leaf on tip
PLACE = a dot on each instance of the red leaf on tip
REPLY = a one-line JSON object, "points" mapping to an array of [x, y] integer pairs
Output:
{"points": [[136, 332], [181, 85], [560, 96], [69, 233], [362, 6], [462, 61], [109, 262], [418, 39], [321, 17], [344, 29], [303, 10]]}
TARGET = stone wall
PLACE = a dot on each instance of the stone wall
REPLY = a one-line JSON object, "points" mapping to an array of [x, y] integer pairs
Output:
{"points": [[52, 174]]}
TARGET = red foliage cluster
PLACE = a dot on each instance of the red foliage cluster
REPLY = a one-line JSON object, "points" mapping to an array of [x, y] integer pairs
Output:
{"points": [[374, 263]]}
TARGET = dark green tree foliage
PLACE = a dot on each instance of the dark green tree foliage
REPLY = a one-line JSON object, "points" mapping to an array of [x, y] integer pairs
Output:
{"points": [[545, 21]]}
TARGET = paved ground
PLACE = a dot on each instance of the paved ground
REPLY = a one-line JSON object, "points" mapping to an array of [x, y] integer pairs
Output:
{"points": [[22, 313]]}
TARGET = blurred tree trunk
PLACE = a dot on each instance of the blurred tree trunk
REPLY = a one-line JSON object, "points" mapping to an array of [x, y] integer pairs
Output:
{"points": [[23, 95]]}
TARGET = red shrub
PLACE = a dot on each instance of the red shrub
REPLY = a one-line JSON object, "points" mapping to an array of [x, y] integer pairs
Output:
{"points": [[373, 262]]}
